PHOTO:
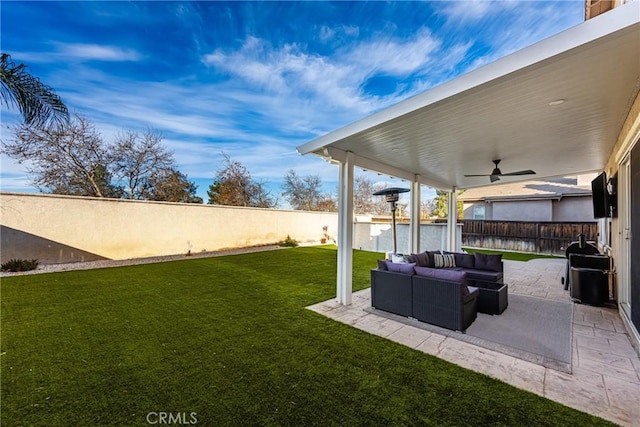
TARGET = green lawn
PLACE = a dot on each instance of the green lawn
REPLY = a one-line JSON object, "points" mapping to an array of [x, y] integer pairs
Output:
{"points": [[513, 256], [229, 339]]}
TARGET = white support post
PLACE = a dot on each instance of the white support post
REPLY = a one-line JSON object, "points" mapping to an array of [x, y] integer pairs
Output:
{"points": [[345, 231], [452, 221], [415, 215]]}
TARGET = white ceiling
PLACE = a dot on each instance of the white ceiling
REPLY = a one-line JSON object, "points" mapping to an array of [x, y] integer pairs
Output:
{"points": [[502, 111]]}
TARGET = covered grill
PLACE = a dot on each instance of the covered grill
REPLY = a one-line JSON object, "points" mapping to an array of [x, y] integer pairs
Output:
{"points": [[587, 272]]}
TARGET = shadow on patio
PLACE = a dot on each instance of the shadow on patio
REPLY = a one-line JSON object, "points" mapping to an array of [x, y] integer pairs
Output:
{"points": [[605, 369]]}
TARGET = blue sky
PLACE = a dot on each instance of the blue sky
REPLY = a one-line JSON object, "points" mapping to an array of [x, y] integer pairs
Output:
{"points": [[256, 79]]}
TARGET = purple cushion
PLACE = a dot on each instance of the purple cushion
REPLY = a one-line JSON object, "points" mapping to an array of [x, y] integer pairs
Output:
{"points": [[488, 262], [464, 260], [382, 265], [451, 275], [400, 268], [445, 274], [425, 271]]}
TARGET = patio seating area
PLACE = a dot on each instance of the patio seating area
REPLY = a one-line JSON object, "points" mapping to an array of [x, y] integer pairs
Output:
{"points": [[605, 373]]}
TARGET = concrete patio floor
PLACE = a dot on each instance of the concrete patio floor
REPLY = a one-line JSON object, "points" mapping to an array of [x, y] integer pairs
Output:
{"points": [[605, 378]]}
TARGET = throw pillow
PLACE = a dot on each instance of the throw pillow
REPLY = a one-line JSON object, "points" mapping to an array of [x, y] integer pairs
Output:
{"points": [[400, 259], [430, 255], [400, 268], [411, 258], [382, 265], [488, 262], [422, 259], [444, 261], [464, 260], [397, 258]]}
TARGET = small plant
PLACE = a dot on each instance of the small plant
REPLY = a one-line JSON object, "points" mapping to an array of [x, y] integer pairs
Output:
{"points": [[16, 265], [325, 234], [288, 242]]}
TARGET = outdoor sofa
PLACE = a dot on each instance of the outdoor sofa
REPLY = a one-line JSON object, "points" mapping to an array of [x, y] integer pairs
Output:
{"points": [[432, 288]]}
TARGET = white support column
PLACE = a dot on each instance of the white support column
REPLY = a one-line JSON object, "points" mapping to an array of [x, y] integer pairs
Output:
{"points": [[452, 221], [345, 231], [415, 215]]}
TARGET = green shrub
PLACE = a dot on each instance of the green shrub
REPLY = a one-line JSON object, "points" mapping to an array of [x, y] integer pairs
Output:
{"points": [[15, 265], [288, 242]]}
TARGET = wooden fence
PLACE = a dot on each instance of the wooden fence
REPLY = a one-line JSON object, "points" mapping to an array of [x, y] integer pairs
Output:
{"points": [[534, 237]]}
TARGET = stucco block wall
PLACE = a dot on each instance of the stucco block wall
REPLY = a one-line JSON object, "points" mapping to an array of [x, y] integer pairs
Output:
{"points": [[378, 237], [65, 229]]}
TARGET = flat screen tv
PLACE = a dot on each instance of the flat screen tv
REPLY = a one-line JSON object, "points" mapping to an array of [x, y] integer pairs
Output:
{"points": [[600, 196]]}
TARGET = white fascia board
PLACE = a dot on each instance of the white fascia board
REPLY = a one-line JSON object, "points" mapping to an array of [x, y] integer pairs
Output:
{"points": [[614, 20], [332, 154]]}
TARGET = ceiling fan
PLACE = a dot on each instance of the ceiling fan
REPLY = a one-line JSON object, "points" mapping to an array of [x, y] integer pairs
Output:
{"points": [[497, 173]]}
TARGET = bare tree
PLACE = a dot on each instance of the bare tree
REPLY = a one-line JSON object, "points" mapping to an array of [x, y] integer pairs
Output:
{"points": [[137, 157], [304, 193], [426, 208], [233, 185], [170, 185], [68, 159], [364, 202], [38, 103]]}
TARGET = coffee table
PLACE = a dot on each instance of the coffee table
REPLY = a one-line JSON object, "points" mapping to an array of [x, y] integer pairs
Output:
{"points": [[493, 297]]}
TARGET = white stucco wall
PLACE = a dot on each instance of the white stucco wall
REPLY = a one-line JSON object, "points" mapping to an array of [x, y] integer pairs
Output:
{"points": [[378, 237], [57, 229], [65, 228]]}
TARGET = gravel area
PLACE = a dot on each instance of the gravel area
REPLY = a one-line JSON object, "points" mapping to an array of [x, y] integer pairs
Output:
{"points": [[52, 268]]}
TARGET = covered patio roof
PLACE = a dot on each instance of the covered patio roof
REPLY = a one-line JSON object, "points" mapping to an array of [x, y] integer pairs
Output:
{"points": [[556, 107]]}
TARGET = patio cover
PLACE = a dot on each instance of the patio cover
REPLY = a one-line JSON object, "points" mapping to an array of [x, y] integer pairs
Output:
{"points": [[556, 107]]}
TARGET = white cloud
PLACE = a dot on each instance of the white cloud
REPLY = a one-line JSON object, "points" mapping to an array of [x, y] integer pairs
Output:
{"points": [[395, 57], [330, 82], [96, 52], [469, 10], [79, 52]]}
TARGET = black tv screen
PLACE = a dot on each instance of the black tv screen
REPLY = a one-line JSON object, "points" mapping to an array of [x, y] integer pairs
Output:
{"points": [[600, 196]]}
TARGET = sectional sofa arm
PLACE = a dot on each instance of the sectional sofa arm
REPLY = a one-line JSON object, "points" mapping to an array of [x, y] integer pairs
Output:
{"points": [[443, 303], [391, 292]]}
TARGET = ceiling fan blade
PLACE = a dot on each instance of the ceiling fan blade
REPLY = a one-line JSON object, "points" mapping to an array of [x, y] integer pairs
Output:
{"points": [[468, 176], [525, 172], [494, 178]]}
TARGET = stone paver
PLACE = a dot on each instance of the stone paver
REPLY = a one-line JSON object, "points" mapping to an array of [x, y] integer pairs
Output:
{"points": [[605, 378]]}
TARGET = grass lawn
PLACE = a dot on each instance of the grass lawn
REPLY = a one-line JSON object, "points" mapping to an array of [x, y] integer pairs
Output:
{"points": [[229, 339], [513, 256]]}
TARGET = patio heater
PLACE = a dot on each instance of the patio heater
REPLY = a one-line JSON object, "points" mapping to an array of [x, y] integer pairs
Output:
{"points": [[392, 195]]}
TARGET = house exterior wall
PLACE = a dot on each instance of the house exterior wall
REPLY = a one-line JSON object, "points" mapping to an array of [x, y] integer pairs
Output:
{"points": [[569, 209], [617, 246], [573, 209], [525, 210], [468, 210]]}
